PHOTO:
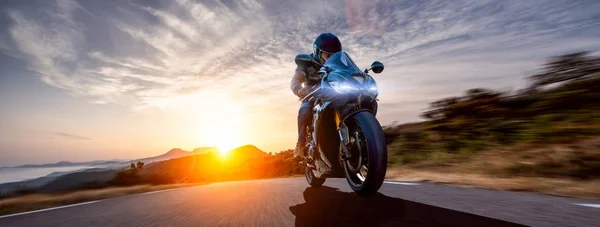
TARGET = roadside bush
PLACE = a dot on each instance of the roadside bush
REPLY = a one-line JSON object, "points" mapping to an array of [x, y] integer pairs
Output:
{"points": [[126, 178]]}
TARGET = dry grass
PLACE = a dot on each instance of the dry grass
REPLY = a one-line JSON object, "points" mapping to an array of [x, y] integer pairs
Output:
{"points": [[551, 186], [568, 169], [41, 201], [556, 160]]}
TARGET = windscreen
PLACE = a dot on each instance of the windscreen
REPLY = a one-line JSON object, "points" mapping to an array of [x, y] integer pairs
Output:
{"points": [[341, 63]]}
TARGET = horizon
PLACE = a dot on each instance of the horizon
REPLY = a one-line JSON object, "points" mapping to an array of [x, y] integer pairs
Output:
{"points": [[107, 80], [139, 158]]}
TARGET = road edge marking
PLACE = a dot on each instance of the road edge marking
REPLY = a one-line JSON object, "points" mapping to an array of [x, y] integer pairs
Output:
{"points": [[587, 205], [401, 183], [49, 209]]}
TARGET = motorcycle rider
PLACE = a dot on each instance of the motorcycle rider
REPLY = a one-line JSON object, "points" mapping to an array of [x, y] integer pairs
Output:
{"points": [[306, 79]]}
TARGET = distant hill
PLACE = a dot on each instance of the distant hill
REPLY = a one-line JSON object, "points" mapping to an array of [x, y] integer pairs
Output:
{"points": [[173, 153], [204, 164], [8, 189], [178, 153], [58, 181], [68, 164], [78, 180], [205, 160], [245, 162], [247, 151]]}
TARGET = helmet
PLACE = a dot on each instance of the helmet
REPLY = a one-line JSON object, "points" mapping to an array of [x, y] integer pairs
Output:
{"points": [[328, 43]]}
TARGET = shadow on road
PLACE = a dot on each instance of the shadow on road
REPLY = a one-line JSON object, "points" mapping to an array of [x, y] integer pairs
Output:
{"points": [[326, 206]]}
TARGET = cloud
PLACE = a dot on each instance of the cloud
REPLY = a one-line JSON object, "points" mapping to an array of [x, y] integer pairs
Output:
{"points": [[172, 54], [70, 136]]}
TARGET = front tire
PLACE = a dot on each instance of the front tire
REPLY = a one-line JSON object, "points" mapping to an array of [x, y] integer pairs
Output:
{"points": [[366, 168]]}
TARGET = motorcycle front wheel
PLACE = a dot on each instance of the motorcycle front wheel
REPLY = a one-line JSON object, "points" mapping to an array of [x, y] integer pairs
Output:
{"points": [[365, 169]]}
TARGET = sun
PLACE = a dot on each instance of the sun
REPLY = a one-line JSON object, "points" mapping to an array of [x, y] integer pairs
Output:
{"points": [[225, 146], [222, 127], [227, 132], [226, 136]]}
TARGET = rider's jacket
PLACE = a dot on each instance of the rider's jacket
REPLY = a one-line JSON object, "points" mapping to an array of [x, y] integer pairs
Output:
{"points": [[307, 75]]}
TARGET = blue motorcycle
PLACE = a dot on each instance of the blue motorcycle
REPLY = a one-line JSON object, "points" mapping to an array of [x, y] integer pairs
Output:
{"points": [[345, 139]]}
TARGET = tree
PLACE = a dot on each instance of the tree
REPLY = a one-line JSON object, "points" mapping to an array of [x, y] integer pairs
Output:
{"points": [[140, 164], [571, 66], [132, 165], [439, 110]]}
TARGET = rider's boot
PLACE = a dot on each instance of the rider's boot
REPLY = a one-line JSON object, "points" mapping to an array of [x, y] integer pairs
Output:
{"points": [[300, 150]]}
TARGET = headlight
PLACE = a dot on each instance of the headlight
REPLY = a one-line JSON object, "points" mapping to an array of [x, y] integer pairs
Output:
{"points": [[374, 89], [341, 87]]}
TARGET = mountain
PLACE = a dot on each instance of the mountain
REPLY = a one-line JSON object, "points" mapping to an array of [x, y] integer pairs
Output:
{"points": [[247, 152], [68, 164], [178, 153], [58, 181], [175, 166], [245, 162], [173, 153], [77, 180]]}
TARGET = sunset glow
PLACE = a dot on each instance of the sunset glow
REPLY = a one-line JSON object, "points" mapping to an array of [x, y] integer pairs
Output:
{"points": [[225, 147], [131, 79], [225, 137], [224, 127]]}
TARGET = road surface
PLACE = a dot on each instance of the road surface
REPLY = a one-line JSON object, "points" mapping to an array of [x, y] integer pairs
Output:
{"points": [[289, 202]]}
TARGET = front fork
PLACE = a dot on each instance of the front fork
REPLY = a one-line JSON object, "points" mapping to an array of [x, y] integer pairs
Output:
{"points": [[311, 131], [346, 141], [345, 154]]}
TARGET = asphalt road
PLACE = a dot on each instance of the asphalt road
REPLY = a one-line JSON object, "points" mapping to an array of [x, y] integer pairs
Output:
{"points": [[289, 202]]}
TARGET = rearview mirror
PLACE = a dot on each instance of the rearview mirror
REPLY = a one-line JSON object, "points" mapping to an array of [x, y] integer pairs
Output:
{"points": [[377, 67], [303, 60]]}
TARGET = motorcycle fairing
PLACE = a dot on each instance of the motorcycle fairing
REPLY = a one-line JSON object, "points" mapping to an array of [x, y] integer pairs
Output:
{"points": [[331, 106]]}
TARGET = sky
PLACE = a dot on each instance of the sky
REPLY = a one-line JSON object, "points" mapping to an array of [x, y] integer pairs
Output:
{"points": [[89, 80]]}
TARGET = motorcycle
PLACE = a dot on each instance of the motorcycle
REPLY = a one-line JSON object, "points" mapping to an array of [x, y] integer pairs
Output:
{"points": [[345, 139]]}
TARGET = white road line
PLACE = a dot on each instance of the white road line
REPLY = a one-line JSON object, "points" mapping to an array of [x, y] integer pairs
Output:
{"points": [[400, 183], [588, 205], [49, 209]]}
